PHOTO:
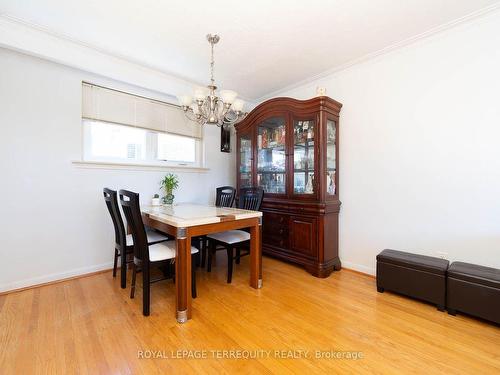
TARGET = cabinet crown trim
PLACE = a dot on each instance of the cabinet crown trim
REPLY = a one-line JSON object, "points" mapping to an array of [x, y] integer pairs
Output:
{"points": [[324, 103]]}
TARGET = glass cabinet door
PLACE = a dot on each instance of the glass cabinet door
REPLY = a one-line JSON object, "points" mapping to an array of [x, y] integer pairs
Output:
{"points": [[271, 158], [331, 157], [246, 160], [304, 132]]}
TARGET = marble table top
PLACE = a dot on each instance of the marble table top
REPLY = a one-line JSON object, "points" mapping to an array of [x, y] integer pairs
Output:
{"points": [[188, 214]]}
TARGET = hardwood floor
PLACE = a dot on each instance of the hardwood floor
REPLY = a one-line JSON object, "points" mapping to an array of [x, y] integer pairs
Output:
{"points": [[90, 326]]}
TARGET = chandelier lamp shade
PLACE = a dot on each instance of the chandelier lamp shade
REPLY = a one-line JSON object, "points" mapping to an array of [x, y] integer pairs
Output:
{"points": [[207, 106]]}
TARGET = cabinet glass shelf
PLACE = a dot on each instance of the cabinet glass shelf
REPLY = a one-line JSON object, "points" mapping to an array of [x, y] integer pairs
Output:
{"points": [[306, 144]]}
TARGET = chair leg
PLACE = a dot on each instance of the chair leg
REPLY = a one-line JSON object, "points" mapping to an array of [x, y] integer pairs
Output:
{"points": [[146, 289], [196, 242], [238, 255], [115, 263], [211, 250], [203, 251], [229, 264], [193, 276], [166, 271], [134, 274]]}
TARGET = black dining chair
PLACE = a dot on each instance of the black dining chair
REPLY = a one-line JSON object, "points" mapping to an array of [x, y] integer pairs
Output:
{"points": [[123, 241], [146, 255], [249, 199], [224, 197]]}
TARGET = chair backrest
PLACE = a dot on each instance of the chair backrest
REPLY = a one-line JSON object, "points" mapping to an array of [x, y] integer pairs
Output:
{"points": [[130, 205], [251, 198], [225, 196], [111, 199]]}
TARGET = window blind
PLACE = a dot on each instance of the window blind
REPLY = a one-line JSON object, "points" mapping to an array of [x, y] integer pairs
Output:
{"points": [[103, 104]]}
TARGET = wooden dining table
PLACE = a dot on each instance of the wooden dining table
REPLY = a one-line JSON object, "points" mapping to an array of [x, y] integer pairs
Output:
{"points": [[184, 221]]}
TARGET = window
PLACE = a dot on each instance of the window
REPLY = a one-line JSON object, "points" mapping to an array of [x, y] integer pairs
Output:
{"points": [[176, 148], [124, 128], [114, 142], [107, 142]]}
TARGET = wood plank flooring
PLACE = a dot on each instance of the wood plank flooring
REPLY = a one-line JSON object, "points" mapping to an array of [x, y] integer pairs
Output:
{"points": [[90, 326]]}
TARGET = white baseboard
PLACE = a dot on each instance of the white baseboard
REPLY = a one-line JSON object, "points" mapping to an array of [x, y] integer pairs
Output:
{"points": [[54, 277], [359, 268], [106, 266]]}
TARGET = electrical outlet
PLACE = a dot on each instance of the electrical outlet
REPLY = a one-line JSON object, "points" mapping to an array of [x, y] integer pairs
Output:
{"points": [[442, 254]]}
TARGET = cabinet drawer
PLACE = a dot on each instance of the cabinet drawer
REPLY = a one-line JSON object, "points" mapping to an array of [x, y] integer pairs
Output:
{"points": [[273, 222], [304, 235], [275, 229], [276, 241]]}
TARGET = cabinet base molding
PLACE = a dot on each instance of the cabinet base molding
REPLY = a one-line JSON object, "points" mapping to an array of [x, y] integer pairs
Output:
{"points": [[320, 270], [323, 270]]}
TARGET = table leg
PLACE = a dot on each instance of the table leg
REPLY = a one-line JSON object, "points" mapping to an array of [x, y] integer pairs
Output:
{"points": [[255, 257], [260, 253], [183, 276]]}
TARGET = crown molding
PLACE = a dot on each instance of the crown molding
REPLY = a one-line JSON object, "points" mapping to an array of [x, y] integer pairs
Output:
{"points": [[386, 50], [105, 51], [31, 39], [35, 40]]}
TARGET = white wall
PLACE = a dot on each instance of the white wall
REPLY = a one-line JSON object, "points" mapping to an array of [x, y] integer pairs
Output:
{"points": [[419, 168], [53, 220], [420, 148]]}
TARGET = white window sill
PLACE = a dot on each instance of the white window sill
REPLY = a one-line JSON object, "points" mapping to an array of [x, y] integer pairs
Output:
{"points": [[136, 166]]}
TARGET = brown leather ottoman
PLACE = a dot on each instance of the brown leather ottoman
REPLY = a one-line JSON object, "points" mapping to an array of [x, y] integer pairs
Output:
{"points": [[474, 290], [418, 276]]}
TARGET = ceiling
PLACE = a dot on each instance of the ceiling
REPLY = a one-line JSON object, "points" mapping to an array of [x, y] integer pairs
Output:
{"points": [[265, 45]]}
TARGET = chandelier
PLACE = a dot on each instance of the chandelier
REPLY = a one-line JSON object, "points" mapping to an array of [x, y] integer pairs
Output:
{"points": [[208, 108]]}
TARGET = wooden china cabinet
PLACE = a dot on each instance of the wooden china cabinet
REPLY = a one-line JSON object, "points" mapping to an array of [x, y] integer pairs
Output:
{"points": [[290, 148]]}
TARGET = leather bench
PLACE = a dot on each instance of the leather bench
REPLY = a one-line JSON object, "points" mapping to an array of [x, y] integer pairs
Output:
{"points": [[418, 276], [474, 290]]}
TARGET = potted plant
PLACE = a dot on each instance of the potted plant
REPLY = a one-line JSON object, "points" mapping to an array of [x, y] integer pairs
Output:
{"points": [[169, 183]]}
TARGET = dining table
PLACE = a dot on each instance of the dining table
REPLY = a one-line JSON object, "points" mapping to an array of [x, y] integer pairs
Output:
{"points": [[187, 220]]}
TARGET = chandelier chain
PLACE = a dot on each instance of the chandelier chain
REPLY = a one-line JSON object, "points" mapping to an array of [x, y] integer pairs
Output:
{"points": [[212, 63]]}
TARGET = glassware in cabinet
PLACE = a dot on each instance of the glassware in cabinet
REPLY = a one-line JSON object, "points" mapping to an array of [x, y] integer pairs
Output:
{"points": [[303, 156], [271, 155], [245, 160], [331, 157]]}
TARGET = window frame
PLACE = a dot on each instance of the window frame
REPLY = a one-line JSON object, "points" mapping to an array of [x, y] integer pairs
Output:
{"points": [[151, 151]]}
